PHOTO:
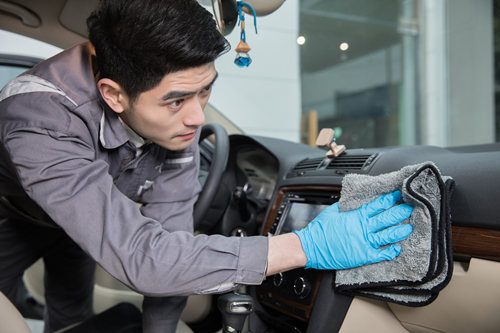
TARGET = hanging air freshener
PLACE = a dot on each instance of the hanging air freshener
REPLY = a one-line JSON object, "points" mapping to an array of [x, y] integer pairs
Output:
{"points": [[242, 57]]}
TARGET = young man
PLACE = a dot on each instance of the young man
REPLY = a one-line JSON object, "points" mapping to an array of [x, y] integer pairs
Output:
{"points": [[91, 132]]}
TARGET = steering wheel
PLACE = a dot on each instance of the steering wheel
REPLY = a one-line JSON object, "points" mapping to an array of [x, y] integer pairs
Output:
{"points": [[216, 170]]}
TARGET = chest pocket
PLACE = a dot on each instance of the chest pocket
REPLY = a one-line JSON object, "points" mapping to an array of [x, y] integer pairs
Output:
{"points": [[175, 179]]}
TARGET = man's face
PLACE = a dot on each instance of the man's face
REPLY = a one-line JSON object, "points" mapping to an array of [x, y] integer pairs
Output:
{"points": [[170, 114]]}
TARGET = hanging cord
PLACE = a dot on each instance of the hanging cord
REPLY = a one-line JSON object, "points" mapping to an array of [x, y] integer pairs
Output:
{"points": [[241, 14]]}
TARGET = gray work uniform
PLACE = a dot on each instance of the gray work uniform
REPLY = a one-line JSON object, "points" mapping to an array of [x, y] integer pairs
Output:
{"points": [[67, 159]]}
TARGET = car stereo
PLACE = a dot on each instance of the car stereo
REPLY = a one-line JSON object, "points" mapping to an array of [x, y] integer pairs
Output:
{"points": [[293, 292]]}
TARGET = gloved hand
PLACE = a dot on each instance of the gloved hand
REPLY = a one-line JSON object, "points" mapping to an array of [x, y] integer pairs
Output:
{"points": [[335, 240]]}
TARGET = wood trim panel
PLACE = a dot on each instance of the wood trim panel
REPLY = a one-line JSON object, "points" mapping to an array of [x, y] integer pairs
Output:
{"points": [[476, 242]]}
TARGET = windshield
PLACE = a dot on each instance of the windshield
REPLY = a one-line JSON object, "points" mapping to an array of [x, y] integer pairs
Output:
{"points": [[381, 73]]}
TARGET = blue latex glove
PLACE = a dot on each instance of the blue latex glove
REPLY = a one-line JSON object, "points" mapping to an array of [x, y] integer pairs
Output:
{"points": [[335, 240]]}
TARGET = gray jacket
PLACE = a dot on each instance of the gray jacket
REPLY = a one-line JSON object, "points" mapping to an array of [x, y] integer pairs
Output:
{"points": [[66, 158]]}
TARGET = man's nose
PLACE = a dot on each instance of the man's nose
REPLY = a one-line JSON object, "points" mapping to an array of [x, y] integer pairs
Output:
{"points": [[195, 115]]}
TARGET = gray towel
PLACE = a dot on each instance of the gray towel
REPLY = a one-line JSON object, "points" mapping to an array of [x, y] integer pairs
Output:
{"points": [[424, 266]]}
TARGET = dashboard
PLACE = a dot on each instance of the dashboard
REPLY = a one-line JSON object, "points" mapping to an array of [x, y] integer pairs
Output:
{"points": [[260, 168], [285, 185]]}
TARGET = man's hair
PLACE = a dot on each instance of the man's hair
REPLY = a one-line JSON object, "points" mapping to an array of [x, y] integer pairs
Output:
{"points": [[138, 42]]}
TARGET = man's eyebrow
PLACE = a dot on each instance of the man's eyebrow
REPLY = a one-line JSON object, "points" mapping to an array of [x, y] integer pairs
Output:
{"points": [[179, 94]]}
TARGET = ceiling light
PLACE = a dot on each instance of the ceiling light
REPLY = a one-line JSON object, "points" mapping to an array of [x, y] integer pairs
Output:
{"points": [[301, 40], [343, 46]]}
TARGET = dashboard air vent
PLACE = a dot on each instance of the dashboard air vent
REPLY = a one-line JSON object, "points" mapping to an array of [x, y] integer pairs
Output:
{"points": [[350, 162], [341, 165], [308, 164]]}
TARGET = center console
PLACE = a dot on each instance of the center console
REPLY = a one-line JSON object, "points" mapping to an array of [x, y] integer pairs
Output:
{"points": [[293, 293]]}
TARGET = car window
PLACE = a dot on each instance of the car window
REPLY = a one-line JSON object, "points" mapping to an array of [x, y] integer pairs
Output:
{"points": [[19, 53], [7, 72], [11, 65]]}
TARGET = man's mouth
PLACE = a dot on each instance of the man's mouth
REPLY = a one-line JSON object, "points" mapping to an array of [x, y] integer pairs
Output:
{"points": [[187, 136]]}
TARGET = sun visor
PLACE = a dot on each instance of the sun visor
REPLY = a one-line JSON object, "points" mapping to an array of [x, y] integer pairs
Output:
{"points": [[71, 16]]}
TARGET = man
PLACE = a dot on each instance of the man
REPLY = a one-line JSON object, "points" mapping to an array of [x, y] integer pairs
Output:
{"points": [[91, 132]]}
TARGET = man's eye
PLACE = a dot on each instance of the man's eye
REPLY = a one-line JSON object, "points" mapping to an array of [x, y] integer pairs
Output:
{"points": [[176, 103]]}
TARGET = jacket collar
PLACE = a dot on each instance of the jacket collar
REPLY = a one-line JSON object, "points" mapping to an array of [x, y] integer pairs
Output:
{"points": [[112, 133]]}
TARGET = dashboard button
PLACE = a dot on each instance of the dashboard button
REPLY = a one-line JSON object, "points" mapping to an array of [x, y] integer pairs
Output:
{"points": [[301, 287], [278, 279]]}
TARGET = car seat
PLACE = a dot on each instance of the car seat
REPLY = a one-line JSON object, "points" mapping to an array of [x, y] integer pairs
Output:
{"points": [[109, 292], [10, 319]]}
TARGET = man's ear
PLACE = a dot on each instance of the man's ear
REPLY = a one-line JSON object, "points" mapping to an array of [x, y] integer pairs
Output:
{"points": [[113, 95]]}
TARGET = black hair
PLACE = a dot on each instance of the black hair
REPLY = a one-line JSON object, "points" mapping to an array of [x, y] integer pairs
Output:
{"points": [[138, 42]]}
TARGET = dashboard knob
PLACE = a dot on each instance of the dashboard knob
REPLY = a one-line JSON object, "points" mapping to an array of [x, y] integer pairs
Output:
{"points": [[301, 287], [278, 279]]}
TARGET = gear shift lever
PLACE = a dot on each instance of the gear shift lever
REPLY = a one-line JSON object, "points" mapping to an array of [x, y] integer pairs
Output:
{"points": [[235, 308]]}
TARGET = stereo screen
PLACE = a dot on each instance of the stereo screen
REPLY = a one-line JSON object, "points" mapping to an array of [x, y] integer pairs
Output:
{"points": [[299, 215]]}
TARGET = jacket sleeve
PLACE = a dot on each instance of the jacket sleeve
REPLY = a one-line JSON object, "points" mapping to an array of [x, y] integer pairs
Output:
{"points": [[60, 173]]}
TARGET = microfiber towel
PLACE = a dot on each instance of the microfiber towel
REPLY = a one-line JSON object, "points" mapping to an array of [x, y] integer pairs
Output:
{"points": [[424, 266]]}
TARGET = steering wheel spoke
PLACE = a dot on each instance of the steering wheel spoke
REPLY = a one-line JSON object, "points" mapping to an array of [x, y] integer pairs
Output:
{"points": [[214, 177]]}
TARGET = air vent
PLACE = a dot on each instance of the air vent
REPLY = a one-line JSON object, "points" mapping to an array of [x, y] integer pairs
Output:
{"points": [[341, 165], [308, 164], [350, 162]]}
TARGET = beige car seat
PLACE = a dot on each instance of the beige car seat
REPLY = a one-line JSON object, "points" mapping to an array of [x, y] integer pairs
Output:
{"points": [[108, 292], [10, 319]]}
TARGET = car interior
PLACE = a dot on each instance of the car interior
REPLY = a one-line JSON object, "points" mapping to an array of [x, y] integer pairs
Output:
{"points": [[253, 185]]}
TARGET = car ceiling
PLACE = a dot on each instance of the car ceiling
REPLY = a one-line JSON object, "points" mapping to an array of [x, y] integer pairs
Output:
{"points": [[58, 22]]}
